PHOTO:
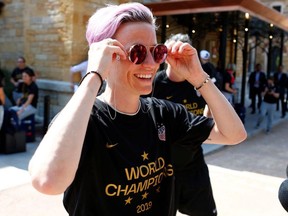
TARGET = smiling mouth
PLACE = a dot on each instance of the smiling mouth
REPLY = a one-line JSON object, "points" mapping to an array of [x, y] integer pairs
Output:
{"points": [[144, 76]]}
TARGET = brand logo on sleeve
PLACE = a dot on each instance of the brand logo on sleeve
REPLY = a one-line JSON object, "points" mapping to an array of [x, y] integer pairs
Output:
{"points": [[111, 145]]}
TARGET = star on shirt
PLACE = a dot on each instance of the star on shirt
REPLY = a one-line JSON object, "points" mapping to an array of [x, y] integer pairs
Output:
{"points": [[145, 156], [128, 200], [144, 196], [158, 190]]}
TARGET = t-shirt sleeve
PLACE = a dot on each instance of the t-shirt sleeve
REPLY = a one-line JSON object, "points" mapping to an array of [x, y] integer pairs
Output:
{"points": [[183, 127], [198, 131]]}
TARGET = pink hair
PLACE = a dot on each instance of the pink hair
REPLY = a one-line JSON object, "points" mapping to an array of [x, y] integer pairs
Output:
{"points": [[105, 21]]}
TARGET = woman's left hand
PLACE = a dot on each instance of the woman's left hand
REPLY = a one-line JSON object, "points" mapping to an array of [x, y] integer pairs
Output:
{"points": [[183, 59]]}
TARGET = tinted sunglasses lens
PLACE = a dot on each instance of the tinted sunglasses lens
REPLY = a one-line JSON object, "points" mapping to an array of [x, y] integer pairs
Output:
{"points": [[137, 54], [160, 53]]}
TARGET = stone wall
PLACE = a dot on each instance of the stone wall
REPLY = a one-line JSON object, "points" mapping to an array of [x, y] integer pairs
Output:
{"points": [[59, 93], [51, 36]]}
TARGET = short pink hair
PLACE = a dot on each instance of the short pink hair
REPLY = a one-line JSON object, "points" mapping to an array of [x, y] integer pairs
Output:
{"points": [[105, 21]]}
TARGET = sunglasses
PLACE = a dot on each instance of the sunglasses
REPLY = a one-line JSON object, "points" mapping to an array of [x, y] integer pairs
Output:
{"points": [[138, 53]]}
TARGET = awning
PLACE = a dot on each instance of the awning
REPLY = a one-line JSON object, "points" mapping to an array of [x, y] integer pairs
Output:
{"points": [[253, 7]]}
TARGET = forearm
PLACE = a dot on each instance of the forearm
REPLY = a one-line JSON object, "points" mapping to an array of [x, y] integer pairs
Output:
{"points": [[228, 127], [55, 162], [229, 89], [2, 96], [13, 82]]}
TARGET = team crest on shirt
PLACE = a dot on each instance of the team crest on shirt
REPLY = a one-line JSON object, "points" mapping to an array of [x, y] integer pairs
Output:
{"points": [[161, 132]]}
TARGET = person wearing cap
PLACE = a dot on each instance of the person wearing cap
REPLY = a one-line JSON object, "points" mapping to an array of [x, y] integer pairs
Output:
{"points": [[194, 195], [27, 104], [79, 68], [208, 67]]}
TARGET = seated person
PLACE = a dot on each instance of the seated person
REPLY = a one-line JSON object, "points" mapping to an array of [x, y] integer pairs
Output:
{"points": [[27, 104], [16, 77], [2, 102]]}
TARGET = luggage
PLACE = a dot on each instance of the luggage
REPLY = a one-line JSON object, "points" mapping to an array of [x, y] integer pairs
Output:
{"points": [[13, 142], [12, 138]]}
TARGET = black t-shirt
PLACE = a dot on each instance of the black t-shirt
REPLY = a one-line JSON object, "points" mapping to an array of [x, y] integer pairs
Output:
{"points": [[17, 75], [184, 93], [125, 166], [28, 90], [178, 92], [269, 97], [17, 72], [209, 68], [227, 79]]}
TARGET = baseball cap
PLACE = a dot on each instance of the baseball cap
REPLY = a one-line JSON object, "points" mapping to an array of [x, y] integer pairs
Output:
{"points": [[204, 54]]}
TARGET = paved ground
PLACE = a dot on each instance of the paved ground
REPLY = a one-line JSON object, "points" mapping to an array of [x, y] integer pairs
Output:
{"points": [[245, 178]]}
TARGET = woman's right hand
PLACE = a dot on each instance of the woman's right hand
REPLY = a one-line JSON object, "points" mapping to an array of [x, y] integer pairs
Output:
{"points": [[102, 54]]}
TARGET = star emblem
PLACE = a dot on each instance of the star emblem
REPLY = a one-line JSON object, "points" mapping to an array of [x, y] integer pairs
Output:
{"points": [[158, 190], [144, 196], [128, 200], [145, 156]]}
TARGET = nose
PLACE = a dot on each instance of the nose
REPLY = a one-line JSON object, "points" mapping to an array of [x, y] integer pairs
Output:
{"points": [[149, 58]]}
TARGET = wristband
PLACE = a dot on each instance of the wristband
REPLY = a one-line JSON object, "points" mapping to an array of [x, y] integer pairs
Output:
{"points": [[202, 84], [92, 72]]}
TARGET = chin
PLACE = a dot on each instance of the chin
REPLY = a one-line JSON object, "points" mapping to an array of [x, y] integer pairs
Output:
{"points": [[146, 91]]}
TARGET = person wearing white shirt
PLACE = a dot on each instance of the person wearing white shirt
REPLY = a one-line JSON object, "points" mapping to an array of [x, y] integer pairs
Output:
{"points": [[79, 68]]}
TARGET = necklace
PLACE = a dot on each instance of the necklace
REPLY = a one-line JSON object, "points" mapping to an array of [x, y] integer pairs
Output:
{"points": [[117, 111], [129, 114]]}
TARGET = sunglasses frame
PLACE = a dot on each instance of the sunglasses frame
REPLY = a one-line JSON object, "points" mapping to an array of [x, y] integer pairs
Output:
{"points": [[146, 53]]}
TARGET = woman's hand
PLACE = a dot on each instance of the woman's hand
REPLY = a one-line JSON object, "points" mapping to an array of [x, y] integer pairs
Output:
{"points": [[183, 59], [102, 54]]}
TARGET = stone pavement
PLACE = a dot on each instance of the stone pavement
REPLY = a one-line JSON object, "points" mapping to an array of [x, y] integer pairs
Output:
{"points": [[239, 188]]}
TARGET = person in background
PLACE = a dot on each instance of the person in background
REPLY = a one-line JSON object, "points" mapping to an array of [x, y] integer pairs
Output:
{"points": [[2, 101], [194, 194], [110, 154], [257, 83], [79, 68], [228, 89], [281, 82], [27, 104], [16, 78], [271, 95], [207, 66]]}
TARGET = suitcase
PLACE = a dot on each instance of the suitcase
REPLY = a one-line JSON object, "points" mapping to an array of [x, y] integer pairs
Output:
{"points": [[12, 138], [13, 142]]}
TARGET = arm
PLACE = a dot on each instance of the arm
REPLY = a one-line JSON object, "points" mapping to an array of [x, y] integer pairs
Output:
{"points": [[13, 82], [27, 103], [2, 96], [228, 128], [229, 89], [55, 162]]}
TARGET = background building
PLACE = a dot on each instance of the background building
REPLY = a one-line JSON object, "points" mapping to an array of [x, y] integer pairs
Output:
{"points": [[51, 36]]}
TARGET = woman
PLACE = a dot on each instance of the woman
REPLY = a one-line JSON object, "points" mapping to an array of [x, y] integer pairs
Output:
{"points": [[115, 159], [27, 104], [228, 89]]}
